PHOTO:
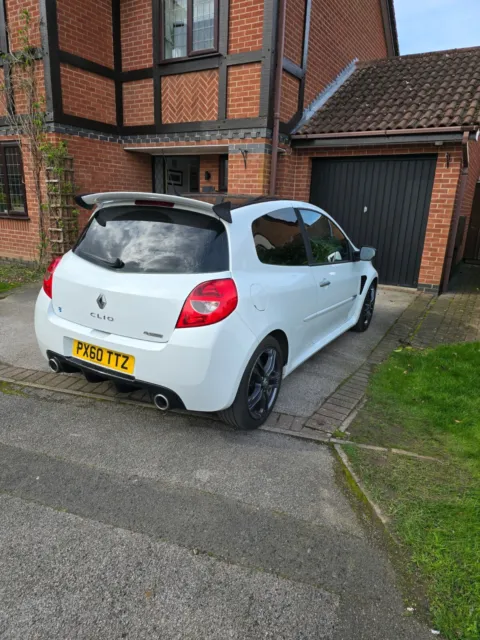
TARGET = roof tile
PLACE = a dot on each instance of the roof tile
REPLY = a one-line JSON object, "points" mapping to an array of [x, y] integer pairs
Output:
{"points": [[421, 91]]}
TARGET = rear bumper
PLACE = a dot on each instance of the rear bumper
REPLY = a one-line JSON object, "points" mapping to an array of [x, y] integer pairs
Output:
{"points": [[73, 365], [199, 368]]}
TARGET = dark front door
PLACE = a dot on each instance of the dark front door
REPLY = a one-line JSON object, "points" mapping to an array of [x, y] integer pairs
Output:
{"points": [[472, 246], [381, 202]]}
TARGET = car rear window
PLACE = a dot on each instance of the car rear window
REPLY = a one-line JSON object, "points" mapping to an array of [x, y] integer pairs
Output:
{"points": [[154, 240]]}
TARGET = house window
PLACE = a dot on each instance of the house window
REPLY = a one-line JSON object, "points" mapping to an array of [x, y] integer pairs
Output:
{"points": [[12, 185], [189, 27]]}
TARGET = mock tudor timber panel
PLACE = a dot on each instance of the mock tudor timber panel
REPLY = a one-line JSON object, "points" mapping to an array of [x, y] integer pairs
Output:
{"points": [[190, 97]]}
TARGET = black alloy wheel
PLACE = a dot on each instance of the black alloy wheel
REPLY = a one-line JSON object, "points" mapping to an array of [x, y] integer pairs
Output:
{"points": [[259, 387], [368, 307], [264, 383]]}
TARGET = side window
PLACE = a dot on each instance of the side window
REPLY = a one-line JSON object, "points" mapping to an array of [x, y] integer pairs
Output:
{"points": [[328, 243], [278, 239]]}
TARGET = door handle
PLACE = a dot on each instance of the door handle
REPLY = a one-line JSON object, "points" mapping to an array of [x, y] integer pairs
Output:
{"points": [[324, 283]]}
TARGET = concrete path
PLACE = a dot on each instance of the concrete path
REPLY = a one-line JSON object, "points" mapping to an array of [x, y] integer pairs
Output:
{"points": [[120, 522]]}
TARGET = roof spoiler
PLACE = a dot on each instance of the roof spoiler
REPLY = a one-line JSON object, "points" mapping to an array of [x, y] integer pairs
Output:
{"points": [[89, 200], [81, 202], [224, 211]]}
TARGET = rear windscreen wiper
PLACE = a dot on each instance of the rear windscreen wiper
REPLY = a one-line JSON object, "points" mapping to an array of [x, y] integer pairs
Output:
{"points": [[116, 264]]}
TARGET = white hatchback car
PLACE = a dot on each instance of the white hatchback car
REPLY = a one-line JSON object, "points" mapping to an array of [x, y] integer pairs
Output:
{"points": [[207, 307]]}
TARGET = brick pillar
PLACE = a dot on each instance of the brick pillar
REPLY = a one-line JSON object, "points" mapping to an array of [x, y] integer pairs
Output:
{"points": [[442, 205]]}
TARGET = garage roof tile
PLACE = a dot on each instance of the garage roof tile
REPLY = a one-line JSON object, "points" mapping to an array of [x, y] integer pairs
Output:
{"points": [[421, 91]]}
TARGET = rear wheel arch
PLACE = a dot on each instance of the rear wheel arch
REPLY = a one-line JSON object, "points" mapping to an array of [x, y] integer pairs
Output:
{"points": [[282, 340]]}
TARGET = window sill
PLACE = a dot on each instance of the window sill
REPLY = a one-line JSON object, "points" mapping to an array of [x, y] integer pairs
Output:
{"points": [[14, 216], [201, 56]]}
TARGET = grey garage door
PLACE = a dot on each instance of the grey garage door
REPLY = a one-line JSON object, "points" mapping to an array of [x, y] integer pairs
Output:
{"points": [[381, 202]]}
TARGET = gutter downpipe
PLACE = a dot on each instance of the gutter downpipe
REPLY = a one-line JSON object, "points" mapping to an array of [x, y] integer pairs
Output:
{"points": [[456, 215], [277, 95]]}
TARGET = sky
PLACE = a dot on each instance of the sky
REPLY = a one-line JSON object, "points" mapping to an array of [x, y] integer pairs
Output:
{"points": [[432, 25]]}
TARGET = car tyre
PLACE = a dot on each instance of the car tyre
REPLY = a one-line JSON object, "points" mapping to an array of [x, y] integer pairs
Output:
{"points": [[259, 388], [367, 309]]}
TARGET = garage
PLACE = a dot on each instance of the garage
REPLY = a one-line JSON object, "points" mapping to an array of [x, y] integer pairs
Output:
{"points": [[380, 201]]}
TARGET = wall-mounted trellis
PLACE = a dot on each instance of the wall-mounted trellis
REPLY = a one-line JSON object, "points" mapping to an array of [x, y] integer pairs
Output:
{"points": [[62, 211]]}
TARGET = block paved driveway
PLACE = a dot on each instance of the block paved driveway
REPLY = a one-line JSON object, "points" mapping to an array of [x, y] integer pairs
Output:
{"points": [[121, 522]]}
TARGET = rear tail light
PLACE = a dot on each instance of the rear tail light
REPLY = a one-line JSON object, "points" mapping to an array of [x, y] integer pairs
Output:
{"points": [[48, 277], [209, 303]]}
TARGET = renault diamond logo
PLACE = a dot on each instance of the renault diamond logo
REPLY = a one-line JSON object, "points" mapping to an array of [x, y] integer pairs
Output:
{"points": [[102, 301]]}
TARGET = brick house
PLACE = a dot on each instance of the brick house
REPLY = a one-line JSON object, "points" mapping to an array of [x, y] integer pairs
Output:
{"points": [[217, 95]]}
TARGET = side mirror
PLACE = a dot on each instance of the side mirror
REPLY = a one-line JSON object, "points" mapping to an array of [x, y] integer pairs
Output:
{"points": [[367, 253]]}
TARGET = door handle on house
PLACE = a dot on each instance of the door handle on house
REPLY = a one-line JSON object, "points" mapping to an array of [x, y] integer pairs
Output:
{"points": [[324, 283]]}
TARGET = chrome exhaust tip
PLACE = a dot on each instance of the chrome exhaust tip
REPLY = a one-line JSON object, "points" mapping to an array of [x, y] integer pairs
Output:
{"points": [[161, 402], [54, 364]]}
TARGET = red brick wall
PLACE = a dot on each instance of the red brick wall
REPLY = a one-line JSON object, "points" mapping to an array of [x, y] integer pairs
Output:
{"points": [[254, 178], [136, 28], [473, 175], [15, 22], [20, 238], [211, 164], [105, 166], [138, 102], [289, 102], [243, 91], [88, 95], [85, 28], [294, 177], [13, 10], [189, 97], [442, 206], [18, 84], [294, 23], [287, 176], [245, 25], [340, 32]]}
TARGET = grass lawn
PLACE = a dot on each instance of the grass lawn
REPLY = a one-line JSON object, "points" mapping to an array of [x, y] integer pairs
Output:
{"points": [[14, 275], [429, 402]]}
